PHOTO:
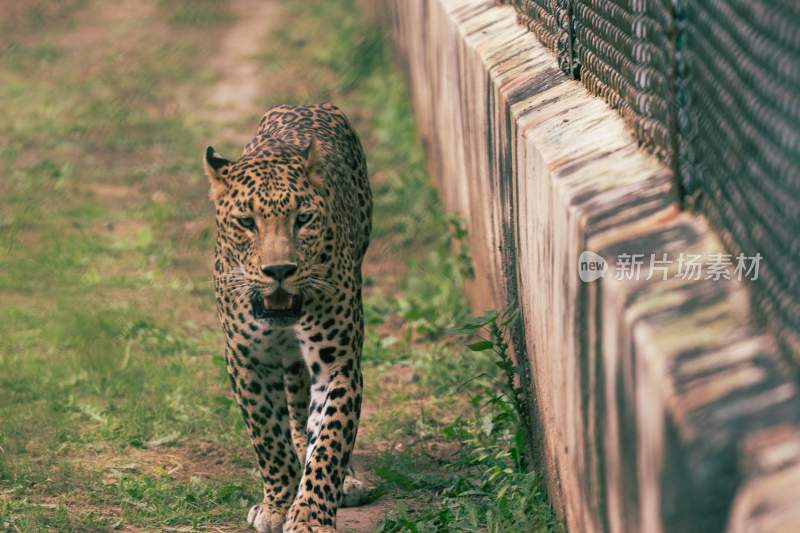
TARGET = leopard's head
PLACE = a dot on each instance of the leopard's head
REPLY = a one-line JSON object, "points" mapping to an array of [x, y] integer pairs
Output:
{"points": [[274, 229]]}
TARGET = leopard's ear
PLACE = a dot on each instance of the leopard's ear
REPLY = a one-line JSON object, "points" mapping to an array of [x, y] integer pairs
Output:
{"points": [[217, 169], [313, 156]]}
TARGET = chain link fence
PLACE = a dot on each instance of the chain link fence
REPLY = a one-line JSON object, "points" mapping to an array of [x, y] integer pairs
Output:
{"points": [[712, 88]]}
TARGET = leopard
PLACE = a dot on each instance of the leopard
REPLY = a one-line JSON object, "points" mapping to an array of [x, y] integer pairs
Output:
{"points": [[293, 223]]}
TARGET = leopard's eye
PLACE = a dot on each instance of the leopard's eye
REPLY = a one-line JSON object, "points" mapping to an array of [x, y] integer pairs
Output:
{"points": [[303, 219], [247, 222]]}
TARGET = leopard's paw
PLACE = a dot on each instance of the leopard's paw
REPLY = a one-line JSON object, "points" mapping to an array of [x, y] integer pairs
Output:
{"points": [[300, 519], [265, 519], [307, 528]]}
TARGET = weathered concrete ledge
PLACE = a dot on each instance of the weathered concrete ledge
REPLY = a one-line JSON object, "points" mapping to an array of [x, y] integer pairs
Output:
{"points": [[660, 408]]}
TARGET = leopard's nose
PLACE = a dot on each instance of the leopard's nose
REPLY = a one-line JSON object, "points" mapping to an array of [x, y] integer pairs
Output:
{"points": [[279, 272]]}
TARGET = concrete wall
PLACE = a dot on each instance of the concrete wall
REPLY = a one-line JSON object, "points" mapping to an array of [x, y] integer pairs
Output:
{"points": [[659, 407]]}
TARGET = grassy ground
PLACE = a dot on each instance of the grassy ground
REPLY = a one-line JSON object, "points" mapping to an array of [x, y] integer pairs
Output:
{"points": [[114, 408]]}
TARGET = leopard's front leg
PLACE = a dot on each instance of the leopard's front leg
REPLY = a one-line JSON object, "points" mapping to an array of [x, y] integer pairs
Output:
{"points": [[259, 391], [298, 394], [332, 425]]}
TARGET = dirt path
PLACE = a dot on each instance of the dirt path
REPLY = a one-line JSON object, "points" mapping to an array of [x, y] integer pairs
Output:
{"points": [[233, 105], [235, 96]]}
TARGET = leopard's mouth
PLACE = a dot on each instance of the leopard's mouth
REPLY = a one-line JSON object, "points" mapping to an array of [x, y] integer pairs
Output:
{"points": [[277, 305]]}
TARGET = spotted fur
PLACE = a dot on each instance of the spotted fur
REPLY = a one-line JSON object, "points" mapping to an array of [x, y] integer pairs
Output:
{"points": [[298, 198]]}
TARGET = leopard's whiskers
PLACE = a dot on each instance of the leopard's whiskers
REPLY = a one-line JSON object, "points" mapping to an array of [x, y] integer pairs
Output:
{"points": [[315, 282]]}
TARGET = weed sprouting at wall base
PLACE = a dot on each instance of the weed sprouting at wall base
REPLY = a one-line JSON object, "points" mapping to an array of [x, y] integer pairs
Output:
{"points": [[509, 397]]}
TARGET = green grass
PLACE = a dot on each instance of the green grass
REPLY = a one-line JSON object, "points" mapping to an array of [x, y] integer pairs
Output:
{"points": [[110, 366], [95, 360]]}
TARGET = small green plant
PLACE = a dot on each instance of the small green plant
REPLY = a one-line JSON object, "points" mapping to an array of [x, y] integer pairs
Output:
{"points": [[461, 245], [489, 486], [509, 400]]}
